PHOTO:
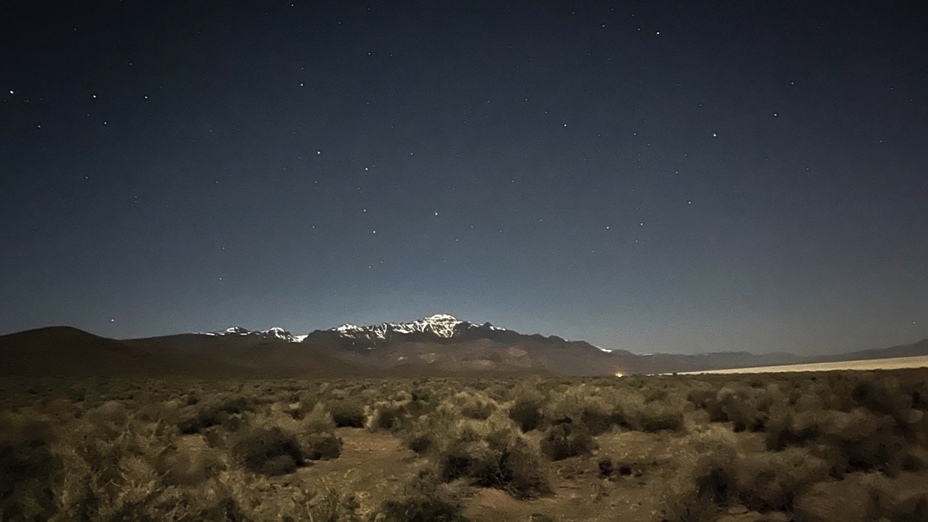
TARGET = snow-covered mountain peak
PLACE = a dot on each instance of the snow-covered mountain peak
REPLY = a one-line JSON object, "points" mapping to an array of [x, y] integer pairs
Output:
{"points": [[441, 325], [274, 331], [241, 330], [280, 333]]}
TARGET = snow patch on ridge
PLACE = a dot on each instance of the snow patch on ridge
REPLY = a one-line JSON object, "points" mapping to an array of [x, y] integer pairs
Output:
{"points": [[441, 325], [274, 331]]}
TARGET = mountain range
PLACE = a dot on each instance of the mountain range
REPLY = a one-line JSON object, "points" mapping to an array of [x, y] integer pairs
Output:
{"points": [[439, 345]]}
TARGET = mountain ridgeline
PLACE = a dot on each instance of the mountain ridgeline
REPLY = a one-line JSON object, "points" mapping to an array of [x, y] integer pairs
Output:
{"points": [[440, 345]]}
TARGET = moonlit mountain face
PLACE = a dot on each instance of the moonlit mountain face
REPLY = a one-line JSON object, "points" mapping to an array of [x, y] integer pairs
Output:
{"points": [[273, 332], [440, 325]]}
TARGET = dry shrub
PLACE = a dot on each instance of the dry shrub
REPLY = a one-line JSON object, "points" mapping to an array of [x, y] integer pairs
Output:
{"points": [[110, 477], [473, 405], [738, 405], [861, 498], [771, 481], [27, 466], [424, 500], [704, 481], [855, 441], [347, 413], [491, 454], [322, 446], [510, 464], [269, 451], [188, 464], [633, 411], [525, 410], [584, 404], [426, 432], [388, 416], [785, 428], [565, 440], [333, 506], [318, 420], [882, 394], [224, 410]]}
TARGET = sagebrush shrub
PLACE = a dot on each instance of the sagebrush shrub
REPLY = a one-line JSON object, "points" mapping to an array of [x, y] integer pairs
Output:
{"points": [[704, 481], [27, 466], [183, 465], [421, 501], [526, 411], [388, 416], [772, 481], [318, 420], [269, 451], [854, 441], [477, 408], [347, 413], [882, 394], [565, 440], [218, 412], [322, 446], [510, 463]]}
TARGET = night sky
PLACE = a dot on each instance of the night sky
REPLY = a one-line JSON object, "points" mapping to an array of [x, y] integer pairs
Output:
{"points": [[655, 176]]}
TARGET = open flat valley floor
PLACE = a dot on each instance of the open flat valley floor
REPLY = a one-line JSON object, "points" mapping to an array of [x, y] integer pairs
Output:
{"points": [[893, 363], [817, 446]]}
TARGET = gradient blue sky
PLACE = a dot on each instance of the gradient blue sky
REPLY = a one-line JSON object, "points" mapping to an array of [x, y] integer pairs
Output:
{"points": [[653, 176]]}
